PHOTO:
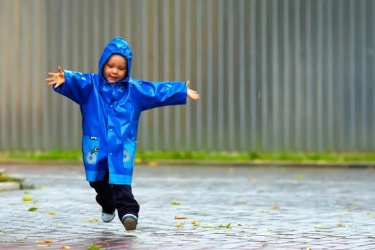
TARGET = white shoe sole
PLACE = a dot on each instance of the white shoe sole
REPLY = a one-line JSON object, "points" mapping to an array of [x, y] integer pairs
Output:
{"points": [[107, 217]]}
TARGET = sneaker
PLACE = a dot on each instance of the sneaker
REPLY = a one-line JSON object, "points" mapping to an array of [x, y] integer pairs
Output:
{"points": [[108, 217], [130, 222]]}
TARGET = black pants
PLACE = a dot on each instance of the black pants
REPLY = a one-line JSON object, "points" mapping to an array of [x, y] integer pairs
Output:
{"points": [[112, 197]]}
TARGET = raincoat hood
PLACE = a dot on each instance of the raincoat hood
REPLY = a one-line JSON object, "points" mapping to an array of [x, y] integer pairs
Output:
{"points": [[117, 46]]}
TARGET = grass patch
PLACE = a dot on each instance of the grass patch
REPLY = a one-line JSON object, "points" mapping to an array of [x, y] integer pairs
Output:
{"points": [[71, 155], [251, 156]]}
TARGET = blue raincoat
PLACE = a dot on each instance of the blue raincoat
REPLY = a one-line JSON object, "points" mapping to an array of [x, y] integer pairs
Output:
{"points": [[110, 114]]}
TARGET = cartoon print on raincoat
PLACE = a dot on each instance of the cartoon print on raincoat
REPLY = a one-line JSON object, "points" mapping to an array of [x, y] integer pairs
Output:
{"points": [[111, 112]]}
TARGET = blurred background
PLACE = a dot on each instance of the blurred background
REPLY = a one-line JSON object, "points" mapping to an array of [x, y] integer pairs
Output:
{"points": [[273, 75]]}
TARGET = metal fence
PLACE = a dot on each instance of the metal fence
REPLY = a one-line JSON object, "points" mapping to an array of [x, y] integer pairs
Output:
{"points": [[275, 75]]}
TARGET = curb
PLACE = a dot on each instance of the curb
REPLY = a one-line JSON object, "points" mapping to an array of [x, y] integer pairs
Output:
{"points": [[8, 186]]}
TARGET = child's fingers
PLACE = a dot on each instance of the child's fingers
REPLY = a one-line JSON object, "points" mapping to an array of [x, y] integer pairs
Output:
{"points": [[49, 79], [57, 85], [59, 69]]}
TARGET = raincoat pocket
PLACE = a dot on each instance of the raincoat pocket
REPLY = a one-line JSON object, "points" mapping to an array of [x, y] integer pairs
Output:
{"points": [[90, 149], [129, 154]]}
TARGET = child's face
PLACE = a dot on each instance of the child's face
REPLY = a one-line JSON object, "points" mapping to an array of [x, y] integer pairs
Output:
{"points": [[115, 69]]}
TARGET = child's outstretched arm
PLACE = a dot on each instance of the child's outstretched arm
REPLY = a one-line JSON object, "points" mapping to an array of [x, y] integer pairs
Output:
{"points": [[74, 85], [56, 79], [192, 94]]}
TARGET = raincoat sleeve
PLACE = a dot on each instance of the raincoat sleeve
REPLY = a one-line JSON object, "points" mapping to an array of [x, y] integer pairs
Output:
{"points": [[158, 94], [77, 86]]}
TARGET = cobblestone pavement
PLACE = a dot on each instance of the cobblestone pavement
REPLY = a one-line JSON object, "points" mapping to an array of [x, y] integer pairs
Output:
{"points": [[225, 208]]}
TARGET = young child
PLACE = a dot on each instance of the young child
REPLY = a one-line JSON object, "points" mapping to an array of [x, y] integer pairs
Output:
{"points": [[111, 104]]}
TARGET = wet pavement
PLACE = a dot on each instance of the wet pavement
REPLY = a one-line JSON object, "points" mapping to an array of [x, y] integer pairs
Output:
{"points": [[219, 208]]}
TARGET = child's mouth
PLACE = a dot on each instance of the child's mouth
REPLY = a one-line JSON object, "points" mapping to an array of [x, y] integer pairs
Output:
{"points": [[112, 79]]}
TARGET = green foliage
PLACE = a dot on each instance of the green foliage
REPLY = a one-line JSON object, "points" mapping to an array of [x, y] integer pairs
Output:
{"points": [[53, 154], [186, 155]]}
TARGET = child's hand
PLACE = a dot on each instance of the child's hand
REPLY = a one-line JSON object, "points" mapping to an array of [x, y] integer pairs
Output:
{"points": [[192, 94], [56, 79]]}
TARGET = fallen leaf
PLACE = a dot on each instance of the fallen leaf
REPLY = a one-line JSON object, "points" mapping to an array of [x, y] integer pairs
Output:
{"points": [[65, 247], [340, 224], [52, 213], [275, 207], [177, 217], [180, 224], [138, 160], [47, 241], [153, 164], [27, 198], [32, 209], [300, 177], [369, 213], [175, 203], [225, 226], [319, 226], [94, 219], [94, 247], [195, 223], [209, 227]]}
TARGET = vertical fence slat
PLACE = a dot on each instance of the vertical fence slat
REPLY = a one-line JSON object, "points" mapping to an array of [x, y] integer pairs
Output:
{"points": [[14, 60], [352, 77], [252, 53], [264, 76], [144, 121], [297, 61], [177, 72], [155, 51], [341, 78], [166, 76], [199, 58], [330, 81], [220, 86], [4, 100], [230, 79], [308, 119], [286, 78], [188, 52], [320, 115], [372, 7], [242, 82], [364, 81], [24, 78], [209, 82], [275, 78]]}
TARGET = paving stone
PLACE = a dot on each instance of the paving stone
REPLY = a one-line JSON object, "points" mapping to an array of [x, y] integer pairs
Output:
{"points": [[330, 208]]}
